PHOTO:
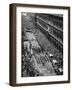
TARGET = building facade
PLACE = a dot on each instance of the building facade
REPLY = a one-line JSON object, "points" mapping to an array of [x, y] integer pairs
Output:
{"points": [[52, 26]]}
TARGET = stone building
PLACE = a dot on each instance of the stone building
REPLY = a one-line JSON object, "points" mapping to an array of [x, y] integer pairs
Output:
{"points": [[52, 26]]}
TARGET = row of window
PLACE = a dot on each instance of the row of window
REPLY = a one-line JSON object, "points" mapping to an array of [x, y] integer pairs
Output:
{"points": [[56, 44], [58, 25], [50, 16], [56, 33], [53, 40], [42, 23], [53, 22]]}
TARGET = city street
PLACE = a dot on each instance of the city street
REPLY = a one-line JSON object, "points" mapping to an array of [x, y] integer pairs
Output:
{"points": [[38, 47]]}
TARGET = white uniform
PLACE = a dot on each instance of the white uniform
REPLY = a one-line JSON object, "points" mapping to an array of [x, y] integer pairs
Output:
{"points": [[27, 44]]}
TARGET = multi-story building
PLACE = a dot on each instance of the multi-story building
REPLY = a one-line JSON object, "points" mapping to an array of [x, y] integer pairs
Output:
{"points": [[52, 26]]}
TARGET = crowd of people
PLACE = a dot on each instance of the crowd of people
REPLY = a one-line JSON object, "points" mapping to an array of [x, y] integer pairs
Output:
{"points": [[32, 50]]}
